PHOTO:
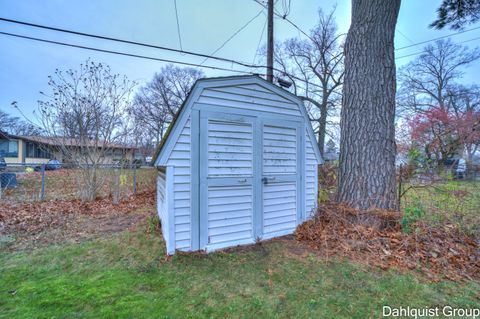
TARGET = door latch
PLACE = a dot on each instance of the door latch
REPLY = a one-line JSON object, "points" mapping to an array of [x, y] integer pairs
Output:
{"points": [[266, 179]]}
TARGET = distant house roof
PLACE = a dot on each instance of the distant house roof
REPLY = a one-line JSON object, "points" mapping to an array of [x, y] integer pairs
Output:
{"points": [[4, 135], [65, 141], [72, 142]]}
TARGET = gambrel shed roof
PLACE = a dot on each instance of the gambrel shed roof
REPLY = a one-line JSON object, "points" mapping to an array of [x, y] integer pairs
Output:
{"points": [[166, 145]]}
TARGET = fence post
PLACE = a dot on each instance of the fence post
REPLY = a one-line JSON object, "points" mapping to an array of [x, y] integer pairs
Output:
{"points": [[400, 186], [42, 190], [134, 179]]}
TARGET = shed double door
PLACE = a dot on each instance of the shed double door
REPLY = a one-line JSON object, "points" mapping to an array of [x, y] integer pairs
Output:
{"points": [[249, 179]]}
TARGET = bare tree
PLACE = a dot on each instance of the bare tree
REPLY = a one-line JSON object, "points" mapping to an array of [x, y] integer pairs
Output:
{"points": [[367, 145], [315, 67], [465, 103], [156, 103], [85, 115], [429, 85], [430, 80], [144, 139], [16, 126], [7, 122]]}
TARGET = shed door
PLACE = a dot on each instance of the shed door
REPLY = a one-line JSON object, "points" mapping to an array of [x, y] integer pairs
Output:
{"points": [[226, 179], [281, 177]]}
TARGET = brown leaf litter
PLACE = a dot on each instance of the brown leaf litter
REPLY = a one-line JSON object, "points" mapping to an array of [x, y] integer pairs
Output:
{"points": [[375, 237], [57, 221]]}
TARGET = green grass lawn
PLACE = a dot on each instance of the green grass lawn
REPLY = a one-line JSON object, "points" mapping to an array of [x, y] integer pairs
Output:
{"points": [[456, 202], [127, 276]]}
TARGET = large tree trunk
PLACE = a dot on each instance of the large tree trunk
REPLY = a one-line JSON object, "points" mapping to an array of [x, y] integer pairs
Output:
{"points": [[367, 144]]}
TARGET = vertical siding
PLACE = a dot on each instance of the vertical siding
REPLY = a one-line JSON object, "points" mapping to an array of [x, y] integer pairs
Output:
{"points": [[180, 159], [162, 207], [279, 208], [230, 207], [249, 97], [230, 213], [279, 198], [279, 150], [230, 149], [311, 169]]}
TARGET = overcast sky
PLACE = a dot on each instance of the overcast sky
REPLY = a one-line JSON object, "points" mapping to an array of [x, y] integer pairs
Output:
{"points": [[204, 26]]}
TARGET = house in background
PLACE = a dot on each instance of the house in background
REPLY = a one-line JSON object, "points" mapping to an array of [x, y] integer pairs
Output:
{"points": [[40, 149], [238, 164]]}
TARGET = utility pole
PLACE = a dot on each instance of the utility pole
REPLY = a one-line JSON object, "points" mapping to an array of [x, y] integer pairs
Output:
{"points": [[270, 42]]}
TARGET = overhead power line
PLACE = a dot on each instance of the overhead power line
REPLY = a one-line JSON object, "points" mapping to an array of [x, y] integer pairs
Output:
{"points": [[122, 53], [178, 25], [438, 38], [118, 40], [252, 66], [158, 59], [286, 7], [260, 41], [286, 19], [147, 45], [149, 57], [420, 52], [401, 48], [403, 35], [233, 35]]}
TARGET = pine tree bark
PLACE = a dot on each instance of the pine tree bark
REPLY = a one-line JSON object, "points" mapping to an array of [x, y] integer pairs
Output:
{"points": [[367, 145]]}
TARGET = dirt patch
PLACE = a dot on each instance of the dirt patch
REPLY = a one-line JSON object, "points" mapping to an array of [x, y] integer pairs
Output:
{"points": [[376, 238], [26, 226]]}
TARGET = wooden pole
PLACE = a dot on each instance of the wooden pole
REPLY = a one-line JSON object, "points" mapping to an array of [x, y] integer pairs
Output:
{"points": [[400, 186], [134, 179], [270, 42], [42, 189]]}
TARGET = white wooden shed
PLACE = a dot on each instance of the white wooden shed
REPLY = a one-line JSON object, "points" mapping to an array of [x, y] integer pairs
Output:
{"points": [[238, 164]]}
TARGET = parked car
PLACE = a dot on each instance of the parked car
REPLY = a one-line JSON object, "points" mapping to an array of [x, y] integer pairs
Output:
{"points": [[50, 166], [3, 165], [461, 169]]}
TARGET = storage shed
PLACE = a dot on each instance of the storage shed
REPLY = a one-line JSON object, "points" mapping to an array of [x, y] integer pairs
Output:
{"points": [[238, 164]]}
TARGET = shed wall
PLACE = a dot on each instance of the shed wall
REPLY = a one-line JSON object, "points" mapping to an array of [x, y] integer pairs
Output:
{"points": [[180, 159], [311, 178], [162, 206]]}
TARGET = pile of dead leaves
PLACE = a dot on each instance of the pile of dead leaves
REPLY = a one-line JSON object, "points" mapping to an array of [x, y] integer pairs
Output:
{"points": [[376, 238], [34, 217]]}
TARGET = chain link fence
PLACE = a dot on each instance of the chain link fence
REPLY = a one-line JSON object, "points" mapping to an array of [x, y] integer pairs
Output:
{"points": [[440, 194], [447, 194], [54, 181]]}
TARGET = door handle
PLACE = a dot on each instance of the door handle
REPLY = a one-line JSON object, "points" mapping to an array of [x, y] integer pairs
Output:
{"points": [[266, 179], [242, 180]]}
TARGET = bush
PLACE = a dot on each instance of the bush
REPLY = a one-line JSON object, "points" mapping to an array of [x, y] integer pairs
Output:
{"points": [[327, 181], [411, 216]]}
